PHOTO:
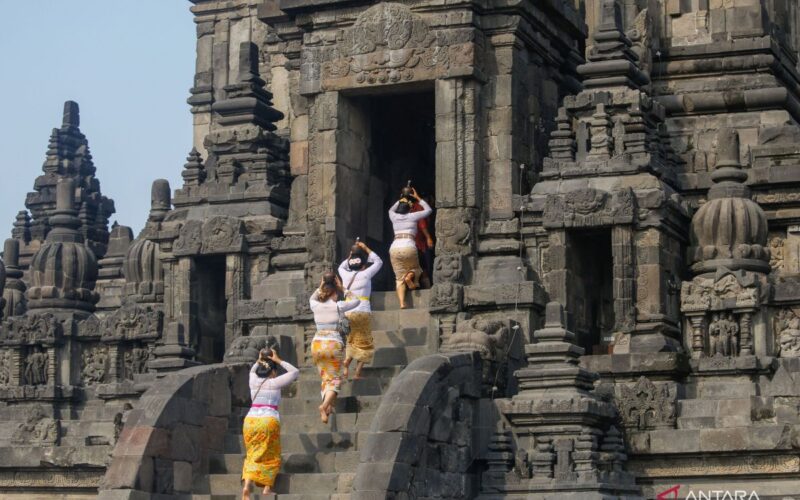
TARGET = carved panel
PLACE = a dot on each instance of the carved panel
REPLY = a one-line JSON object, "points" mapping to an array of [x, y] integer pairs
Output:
{"points": [[446, 297], [38, 429], [190, 239], [6, 368], [589, 207], [787, 333], [35, 366], [454, 231], [447, 268], [222, 235], [95, 361], [133, 321], [645, 405], [135, 361], [388, 43], [31, 329]]}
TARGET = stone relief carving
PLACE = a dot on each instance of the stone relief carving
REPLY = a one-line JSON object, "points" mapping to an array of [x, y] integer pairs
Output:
{"points": [[388, 43], [133, 321], [135, 361], [222, 235], [490, 338], [31, 329], [38, 428], [6, 367], [36, 364], [723, 333], [245, 349], [447, 268], [776, 244], [589, 207], [787, 330], [95, 362], [454, 231], [189, 239], [446, 296], [645, 405], [727, 290]]}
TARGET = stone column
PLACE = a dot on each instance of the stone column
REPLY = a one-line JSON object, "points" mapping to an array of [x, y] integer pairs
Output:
{"points": [[235, 265], [624, 278], [557, 276], [458, 149], [175, 352], [698, 341]]}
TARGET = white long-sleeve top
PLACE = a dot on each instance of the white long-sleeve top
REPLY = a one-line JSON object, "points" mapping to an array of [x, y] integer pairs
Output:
{"points": [[266, 392], [362, 280], [326, 314], [407, 223]]}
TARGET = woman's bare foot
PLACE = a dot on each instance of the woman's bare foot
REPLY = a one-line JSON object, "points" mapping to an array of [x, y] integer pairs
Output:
{"points": [[346, 370], [323, 414], [266, 491], [408, 279], [246, 494]]}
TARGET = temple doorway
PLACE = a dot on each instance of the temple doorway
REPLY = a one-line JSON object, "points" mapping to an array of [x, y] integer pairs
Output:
{"points": [[393, 137], [208, 294], [590, 289]]}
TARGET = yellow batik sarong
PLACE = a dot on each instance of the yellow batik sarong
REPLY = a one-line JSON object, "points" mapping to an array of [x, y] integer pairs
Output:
{"points": [[405, 260], [327, 352], [262, 441], [360, 345]]}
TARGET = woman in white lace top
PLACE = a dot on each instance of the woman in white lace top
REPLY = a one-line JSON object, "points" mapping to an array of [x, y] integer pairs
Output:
{"points": [[262, 425], [403, 252]]}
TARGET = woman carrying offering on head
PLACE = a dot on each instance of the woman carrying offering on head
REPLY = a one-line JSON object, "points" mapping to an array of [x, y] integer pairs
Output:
{"points": [[262, 425], [357, 272], [403, 252], [327, 348]]}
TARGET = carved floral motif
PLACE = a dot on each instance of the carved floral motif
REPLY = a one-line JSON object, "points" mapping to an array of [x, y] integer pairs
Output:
{"points": [[644, 405]]}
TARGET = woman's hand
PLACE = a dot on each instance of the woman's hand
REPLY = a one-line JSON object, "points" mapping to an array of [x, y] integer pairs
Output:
{"points": [[274, 356], [364, 247], [430, 242], [414, 193]]}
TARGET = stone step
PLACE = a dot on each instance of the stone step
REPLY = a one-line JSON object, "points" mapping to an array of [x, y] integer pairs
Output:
{"points": [[312, 484], [292, 463], [311, 442], [345, 404], [389, 301], [400, 319], [340, 422], [398, 356], [402, 337], [724, 389], [361, 387]]}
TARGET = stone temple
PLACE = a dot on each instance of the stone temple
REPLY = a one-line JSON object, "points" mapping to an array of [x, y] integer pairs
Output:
{"points": [[615, 309]]}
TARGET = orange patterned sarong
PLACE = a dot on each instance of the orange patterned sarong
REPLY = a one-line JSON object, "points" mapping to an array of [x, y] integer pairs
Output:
{"points": [[327, 352], [262, 441]]}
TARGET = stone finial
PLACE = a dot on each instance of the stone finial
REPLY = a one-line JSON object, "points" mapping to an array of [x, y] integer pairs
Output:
{"points": [[11, 253], [554, 315], [730, 229], [160, 200], [64, 219], [72, 117], [729, 168], [14, 292], [22, 227], [194, 172], [610, 16]]}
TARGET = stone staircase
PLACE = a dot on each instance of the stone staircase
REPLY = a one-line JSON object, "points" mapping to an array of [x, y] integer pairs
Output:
{"points": [[320, 460]]}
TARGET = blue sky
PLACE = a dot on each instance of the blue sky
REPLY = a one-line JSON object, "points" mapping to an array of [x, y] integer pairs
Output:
{"points": [[129, 65]]}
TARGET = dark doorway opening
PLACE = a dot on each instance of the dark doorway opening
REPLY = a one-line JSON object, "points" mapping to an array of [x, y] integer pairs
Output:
{"points": [[208, 291], [403, 148], [590, 292], [395, 135]]}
